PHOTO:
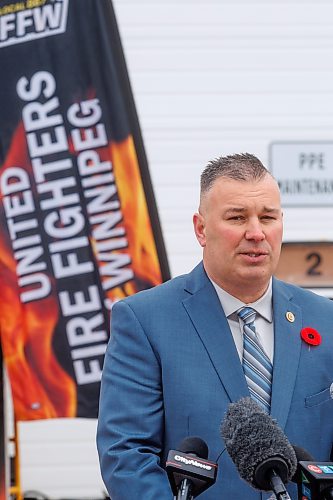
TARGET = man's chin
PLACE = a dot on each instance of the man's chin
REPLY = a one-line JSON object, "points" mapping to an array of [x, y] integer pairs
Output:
{"points": [[256, 275]]}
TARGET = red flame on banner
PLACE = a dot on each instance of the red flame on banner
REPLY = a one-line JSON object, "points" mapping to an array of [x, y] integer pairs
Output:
{"points": [[145, 263], [41, 388]]}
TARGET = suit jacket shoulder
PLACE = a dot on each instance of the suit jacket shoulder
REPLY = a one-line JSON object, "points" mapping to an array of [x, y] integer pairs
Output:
{"points": [[173, 290], [302, 296]]}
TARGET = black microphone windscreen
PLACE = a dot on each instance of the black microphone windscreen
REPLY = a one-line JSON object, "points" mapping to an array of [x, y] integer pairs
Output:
{"points": [[194, 445], [302, 455], [253, 438]]}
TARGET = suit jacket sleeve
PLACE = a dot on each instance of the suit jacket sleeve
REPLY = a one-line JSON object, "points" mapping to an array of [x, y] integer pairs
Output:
{"points": [[131, 414]]}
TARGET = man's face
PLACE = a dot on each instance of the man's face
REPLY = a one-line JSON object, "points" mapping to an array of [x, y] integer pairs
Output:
{"points": [[240, 229]]}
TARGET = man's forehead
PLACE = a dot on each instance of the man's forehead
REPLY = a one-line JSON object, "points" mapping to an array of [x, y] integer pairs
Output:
{"points": [[234, 193]]}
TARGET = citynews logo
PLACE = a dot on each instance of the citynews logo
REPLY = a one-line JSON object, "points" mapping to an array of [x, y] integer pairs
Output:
{"points": [[195, 463], [25, 21]]}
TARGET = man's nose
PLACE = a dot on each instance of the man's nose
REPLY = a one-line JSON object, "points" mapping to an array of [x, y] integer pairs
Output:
{"points": [[254, 231]]}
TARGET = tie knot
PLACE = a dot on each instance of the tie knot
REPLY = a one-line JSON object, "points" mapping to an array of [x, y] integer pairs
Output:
{"points": [[247, 314]]}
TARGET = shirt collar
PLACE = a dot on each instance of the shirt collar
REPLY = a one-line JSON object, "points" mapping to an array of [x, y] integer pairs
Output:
{"points": [[231, 304]]}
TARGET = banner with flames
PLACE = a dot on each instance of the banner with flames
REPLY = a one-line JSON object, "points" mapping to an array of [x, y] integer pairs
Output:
{"points": [[79, 225]]}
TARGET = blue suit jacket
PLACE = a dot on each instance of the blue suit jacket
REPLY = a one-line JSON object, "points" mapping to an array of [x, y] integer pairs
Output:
{"points": [[172, 368]]}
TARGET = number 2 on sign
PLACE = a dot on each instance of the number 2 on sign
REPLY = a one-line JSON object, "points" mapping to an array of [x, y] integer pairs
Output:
{"points": [[315, 260]]}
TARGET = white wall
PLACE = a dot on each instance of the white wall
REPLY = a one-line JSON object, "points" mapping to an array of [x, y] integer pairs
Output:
{"points": [[219, 77], [210, 77]]}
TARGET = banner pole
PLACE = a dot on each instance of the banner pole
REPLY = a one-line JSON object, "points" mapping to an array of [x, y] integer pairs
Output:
{"points": [[4, 468], [15, 489]]}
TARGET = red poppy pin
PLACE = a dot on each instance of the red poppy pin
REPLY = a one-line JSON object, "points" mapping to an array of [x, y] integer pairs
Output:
{"points": [[311, 336]]}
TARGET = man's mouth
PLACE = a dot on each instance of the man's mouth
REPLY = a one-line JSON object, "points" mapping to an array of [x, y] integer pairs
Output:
{"points": [[254, 254], [254, 257]]}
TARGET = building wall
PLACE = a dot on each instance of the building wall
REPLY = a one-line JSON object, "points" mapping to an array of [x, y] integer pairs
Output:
{"points": [[209, 77], [220, 77]]}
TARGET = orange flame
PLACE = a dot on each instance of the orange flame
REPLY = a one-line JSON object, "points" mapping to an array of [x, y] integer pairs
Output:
{"points": [[40, 386], [136, 220]]}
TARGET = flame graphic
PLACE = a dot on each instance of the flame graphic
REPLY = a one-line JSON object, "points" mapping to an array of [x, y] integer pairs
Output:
{"points": [[141, 243], [40, 387]]}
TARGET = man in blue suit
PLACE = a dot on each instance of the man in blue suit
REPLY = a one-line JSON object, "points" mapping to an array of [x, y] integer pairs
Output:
{"points": [[175, 359]]}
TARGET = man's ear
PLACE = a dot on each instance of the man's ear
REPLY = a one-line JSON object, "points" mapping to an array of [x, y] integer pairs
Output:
{"points": [[199, 228]]}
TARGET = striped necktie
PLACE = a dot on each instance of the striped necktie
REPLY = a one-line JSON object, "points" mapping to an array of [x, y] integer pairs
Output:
{"points": [[257, 366]]}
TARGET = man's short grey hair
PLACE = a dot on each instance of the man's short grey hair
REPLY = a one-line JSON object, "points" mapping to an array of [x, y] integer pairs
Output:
{"points": [[239, 167]]}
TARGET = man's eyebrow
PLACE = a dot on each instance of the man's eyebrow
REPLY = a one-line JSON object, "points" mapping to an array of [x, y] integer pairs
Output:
{"points": [[238, 210], [271, 209], [235, 210]]}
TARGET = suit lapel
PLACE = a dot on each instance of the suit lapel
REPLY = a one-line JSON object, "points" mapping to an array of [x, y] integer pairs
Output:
{"points": [[210, 323], [287, 347]]}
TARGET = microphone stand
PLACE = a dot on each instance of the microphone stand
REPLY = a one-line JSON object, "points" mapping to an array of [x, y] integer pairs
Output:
{"points": [[278, 487], [185, 490]]}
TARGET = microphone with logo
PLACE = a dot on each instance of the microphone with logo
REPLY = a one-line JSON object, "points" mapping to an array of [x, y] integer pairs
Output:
{"points": [[260, 450], [189, 471], [314, 479]]}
